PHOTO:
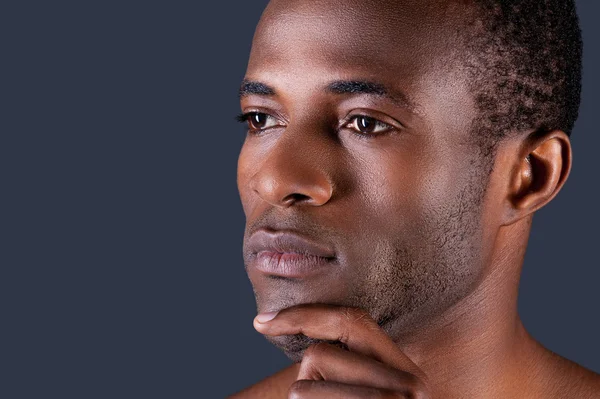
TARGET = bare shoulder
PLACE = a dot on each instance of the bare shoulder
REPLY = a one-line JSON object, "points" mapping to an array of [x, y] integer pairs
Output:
{"points": [[571, 380], [272, 387]]}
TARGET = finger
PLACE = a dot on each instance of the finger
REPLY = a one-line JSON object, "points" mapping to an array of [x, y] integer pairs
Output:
{"points": [[323, 361], [352, 326], [306, 389]]}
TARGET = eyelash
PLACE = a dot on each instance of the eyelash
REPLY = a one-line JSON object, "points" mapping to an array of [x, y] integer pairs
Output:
{"points": [[244, 117]]}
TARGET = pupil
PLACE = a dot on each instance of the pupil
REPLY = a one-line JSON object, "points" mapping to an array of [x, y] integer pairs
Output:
{"points": [[259, 120], [365, 124]]}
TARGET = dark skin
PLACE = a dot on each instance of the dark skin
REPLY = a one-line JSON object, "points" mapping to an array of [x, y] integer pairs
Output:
{"points": [[359, 138]]}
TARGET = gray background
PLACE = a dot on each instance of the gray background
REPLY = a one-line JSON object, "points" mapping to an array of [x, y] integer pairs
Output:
{"points": [[121, 271]]}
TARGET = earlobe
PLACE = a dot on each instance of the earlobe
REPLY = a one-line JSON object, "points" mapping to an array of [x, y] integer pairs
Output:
{"points": [[543, 167]]}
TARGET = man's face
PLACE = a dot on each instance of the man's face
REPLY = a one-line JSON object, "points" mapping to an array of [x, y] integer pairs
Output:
{"points": [[385, 172]]}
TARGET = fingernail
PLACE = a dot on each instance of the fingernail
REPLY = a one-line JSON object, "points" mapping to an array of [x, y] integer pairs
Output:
{"points": [[264, 317]]}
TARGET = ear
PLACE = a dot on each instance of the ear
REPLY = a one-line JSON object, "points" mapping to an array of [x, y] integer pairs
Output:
{"points": [[542, 167]]}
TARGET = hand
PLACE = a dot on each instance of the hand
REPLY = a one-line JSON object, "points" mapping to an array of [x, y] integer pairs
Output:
{"points": [[373, 367]]}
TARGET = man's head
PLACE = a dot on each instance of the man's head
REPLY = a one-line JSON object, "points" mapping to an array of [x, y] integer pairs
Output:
{"points": [[403, 135]]}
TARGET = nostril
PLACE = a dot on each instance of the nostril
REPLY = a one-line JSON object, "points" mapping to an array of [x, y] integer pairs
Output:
{"points": [[295, 197]]}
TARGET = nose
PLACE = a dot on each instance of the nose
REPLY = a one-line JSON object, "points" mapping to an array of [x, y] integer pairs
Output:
{"points": [[294, 172]]}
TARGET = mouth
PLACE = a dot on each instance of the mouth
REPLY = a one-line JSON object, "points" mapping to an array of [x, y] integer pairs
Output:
{"points": [[285, 254], [290, 265]]}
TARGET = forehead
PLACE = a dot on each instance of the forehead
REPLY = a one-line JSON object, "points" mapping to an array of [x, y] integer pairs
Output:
{"points": [[378, 32]]}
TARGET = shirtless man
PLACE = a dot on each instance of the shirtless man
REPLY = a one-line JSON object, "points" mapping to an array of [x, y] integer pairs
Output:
{"points": [[396, 153]]}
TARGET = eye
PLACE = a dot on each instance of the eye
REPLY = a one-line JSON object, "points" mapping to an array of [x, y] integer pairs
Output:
{"points": [[258, 120], [367, 125]]}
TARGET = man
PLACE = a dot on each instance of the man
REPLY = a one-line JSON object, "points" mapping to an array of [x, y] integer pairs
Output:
{"points": [[396, 153]]}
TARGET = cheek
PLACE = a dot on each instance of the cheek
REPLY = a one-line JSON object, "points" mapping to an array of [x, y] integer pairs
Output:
{"points": [[401, 187], [410, 199], [245, 170]]}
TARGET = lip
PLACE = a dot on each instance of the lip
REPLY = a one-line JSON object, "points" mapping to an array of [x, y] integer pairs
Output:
{"points": [[287, 254]]}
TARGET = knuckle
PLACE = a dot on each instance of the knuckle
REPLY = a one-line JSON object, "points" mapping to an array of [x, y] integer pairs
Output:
{"points": [[349, 318], [314, 352], [415, 388], [356, 314], [314, 358], [299, 389]]}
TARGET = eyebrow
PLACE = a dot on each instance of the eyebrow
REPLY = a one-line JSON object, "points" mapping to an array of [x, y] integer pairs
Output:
{"points": [[250, 87], [341, 87]]}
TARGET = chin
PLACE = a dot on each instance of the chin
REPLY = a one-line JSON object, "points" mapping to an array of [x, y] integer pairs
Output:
{"points": [[293, 346]]}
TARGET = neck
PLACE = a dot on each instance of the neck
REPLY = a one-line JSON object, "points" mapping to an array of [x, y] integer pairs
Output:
{"points": [[479, 347]]}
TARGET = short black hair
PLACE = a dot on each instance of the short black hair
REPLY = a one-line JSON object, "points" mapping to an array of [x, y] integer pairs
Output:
{"points": [[525, 65]]}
